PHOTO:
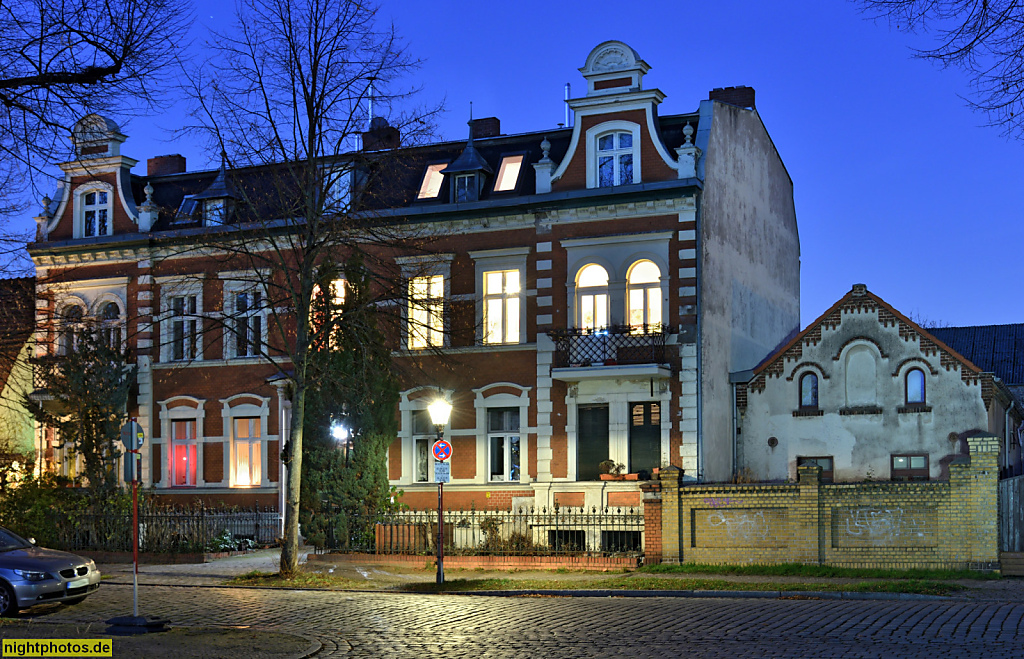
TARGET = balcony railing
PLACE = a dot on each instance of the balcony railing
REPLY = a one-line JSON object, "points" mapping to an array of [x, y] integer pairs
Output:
{"points": [[610, 346]]}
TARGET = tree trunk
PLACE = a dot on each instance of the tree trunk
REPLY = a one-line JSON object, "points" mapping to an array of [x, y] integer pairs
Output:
{"points": [[290, 548]]}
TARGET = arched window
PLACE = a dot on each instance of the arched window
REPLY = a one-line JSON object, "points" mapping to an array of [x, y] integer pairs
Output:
{"points": [[615, 159], [915, 387], [70, 325], [592, 297], [95, 213], [809, 391], [644, 296], [110, 330]]}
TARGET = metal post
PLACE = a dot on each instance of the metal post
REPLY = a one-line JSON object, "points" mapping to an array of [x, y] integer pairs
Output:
{"points": [[440, 533], [135, 532]]}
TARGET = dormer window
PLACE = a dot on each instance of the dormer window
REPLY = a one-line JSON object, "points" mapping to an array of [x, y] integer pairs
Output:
{"points": [[615, 159], [95, 214], [214, 211], [432, 179], [465, 188], [508, 173]]}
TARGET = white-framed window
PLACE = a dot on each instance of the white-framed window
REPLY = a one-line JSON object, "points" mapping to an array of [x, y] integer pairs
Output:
{"points": [[614, 159], [247, 323], [110, 325], [184, 453], [215, 211], [325, 315], [70, 325], [643, 296], [430, 186], [183, 326], [915, 387], [426, 312], [465, 188], [423, 437], [96, 219], [247, 438], [809, 391], [508, 173], [592, 297], [501, 306], [503, 444]]}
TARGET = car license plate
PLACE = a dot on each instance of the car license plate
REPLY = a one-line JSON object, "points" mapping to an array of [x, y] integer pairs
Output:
{"points": [[78, 583]]}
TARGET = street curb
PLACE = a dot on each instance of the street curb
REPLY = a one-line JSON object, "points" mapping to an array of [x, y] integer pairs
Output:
{"points": [[740, 594]]}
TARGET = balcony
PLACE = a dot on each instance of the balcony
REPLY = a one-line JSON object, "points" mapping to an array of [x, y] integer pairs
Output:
{"points": [[616, 346]]}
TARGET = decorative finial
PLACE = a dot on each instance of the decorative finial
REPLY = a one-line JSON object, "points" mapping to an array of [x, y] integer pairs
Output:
{"points": [[223, 159], [46, 203], [688, 132], [545, 147], [149, 193]]}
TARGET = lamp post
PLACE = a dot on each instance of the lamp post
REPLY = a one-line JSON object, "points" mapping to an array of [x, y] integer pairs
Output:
{"points": [[342, 436], [440, 410]]}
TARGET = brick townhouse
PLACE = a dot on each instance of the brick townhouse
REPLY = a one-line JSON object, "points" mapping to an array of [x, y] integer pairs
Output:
{"points": [[588, 291]]}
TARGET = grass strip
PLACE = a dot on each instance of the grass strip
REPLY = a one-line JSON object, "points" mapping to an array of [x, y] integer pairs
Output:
{"points": [[817, 571], [621, 582]]}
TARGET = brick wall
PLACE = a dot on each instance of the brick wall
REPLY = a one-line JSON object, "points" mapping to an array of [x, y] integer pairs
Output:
{"points": [[938, 524]]}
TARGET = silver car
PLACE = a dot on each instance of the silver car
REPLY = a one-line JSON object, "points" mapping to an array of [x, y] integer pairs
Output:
{"points": [[31, 575]]}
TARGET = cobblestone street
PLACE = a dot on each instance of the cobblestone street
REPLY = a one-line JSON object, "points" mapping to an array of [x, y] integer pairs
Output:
{"points": [[402, 625]]}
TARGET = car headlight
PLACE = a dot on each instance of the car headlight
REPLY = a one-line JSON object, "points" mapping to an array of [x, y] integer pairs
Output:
{"points": [[30, 575]]}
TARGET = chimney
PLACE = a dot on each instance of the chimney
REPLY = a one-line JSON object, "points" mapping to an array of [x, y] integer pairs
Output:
{"points": [[381, 136], [163, 165], [485, 127], [742, 96]]}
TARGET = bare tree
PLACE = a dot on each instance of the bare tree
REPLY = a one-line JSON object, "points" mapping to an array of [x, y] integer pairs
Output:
{"points": [[63, 59], [984, 38], [288, 89]]}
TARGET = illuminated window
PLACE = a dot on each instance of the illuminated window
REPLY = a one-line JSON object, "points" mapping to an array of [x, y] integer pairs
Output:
{"points": [[247, 451], [426, 311], [592, 297], [183, 453], [644, 296], [508, 173], [432, 180], [615, 159], [95, 214], [501, 306], [809, 391], [915, 390]]}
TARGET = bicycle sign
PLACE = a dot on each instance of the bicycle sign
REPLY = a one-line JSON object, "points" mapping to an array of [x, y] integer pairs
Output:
{"points": [[442, 450]]}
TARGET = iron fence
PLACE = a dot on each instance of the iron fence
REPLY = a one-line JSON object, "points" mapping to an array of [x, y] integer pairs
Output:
{"points": [[522, 532], [168, 530], [610, 346]]}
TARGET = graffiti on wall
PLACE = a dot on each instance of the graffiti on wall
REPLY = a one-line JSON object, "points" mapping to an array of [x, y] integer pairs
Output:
{"points": [[883, 527], [739, 527]]}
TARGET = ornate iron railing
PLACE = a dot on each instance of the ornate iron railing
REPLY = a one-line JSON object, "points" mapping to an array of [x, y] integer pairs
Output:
{"points": [[610, 346], [522, 532]]}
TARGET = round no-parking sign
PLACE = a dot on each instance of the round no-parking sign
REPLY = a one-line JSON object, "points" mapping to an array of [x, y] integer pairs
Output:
{"points": [[442, 450]]}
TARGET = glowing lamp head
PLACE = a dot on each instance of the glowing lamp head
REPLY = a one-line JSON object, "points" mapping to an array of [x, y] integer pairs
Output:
{"points": [[439, 411], [339, 432]]}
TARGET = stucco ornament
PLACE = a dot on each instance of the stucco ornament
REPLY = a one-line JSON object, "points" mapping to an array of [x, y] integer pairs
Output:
{"points": [[612, 59]]}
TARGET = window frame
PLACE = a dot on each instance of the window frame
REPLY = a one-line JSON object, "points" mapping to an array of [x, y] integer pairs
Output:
{"points": [[507, 435], [186, 442], [433, 309], [649, 291], [81, 192], [522, 155], [425, 438], [175, 288], [593, 291], [594, 134], [179, 408], [817, 393], [500, 260], [906, 388], [909, 473], [232, 410], [432, 169], [68, 332]]}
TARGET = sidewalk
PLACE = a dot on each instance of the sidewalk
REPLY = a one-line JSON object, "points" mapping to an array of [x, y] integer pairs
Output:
{"points": [[369, 576]]}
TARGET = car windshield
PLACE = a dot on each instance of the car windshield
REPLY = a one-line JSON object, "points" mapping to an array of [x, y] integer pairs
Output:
{"points": [[9, 541]]}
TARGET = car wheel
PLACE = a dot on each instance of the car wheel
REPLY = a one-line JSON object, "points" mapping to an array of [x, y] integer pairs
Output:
{"points": [[8, 603]]}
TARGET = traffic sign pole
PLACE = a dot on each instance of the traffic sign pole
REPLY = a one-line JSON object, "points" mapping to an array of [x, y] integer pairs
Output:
{"points": [[442, 450]]}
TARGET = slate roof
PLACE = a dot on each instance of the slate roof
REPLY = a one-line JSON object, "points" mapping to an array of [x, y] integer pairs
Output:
{"points": [[997, 349]]}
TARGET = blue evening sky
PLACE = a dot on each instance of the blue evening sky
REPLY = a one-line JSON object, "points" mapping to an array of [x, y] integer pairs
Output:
{"points": [[898, 184]]}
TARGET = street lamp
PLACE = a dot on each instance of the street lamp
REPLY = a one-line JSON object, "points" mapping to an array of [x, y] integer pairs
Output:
{"points": [[342, 436], [440, 410]]}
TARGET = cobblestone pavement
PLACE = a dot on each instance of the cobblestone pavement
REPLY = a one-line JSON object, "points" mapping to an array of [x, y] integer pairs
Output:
{"points": [[402, 625]]}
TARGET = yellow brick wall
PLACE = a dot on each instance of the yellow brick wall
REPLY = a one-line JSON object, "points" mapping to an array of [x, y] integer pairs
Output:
{"points": [[947, 524]]}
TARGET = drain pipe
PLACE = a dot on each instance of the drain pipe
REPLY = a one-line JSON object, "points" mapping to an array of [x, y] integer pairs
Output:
{"points": [[700, 340]]}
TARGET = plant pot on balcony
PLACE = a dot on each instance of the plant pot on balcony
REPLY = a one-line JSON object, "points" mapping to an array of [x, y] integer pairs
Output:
{"points": [[613, 477], [632, 477]]}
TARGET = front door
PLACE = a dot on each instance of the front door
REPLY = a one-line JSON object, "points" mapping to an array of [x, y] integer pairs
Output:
{"points": [[591, 441], [644, 437]]}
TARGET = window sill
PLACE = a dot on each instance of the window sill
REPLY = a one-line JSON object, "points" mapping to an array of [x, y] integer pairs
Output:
{"points": [[808, 412], [853, 411], [914, 409]]}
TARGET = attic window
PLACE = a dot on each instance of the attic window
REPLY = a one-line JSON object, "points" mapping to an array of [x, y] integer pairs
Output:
{"points": [[615, 159], [465, 187], [431, 185], [508, 173]]}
